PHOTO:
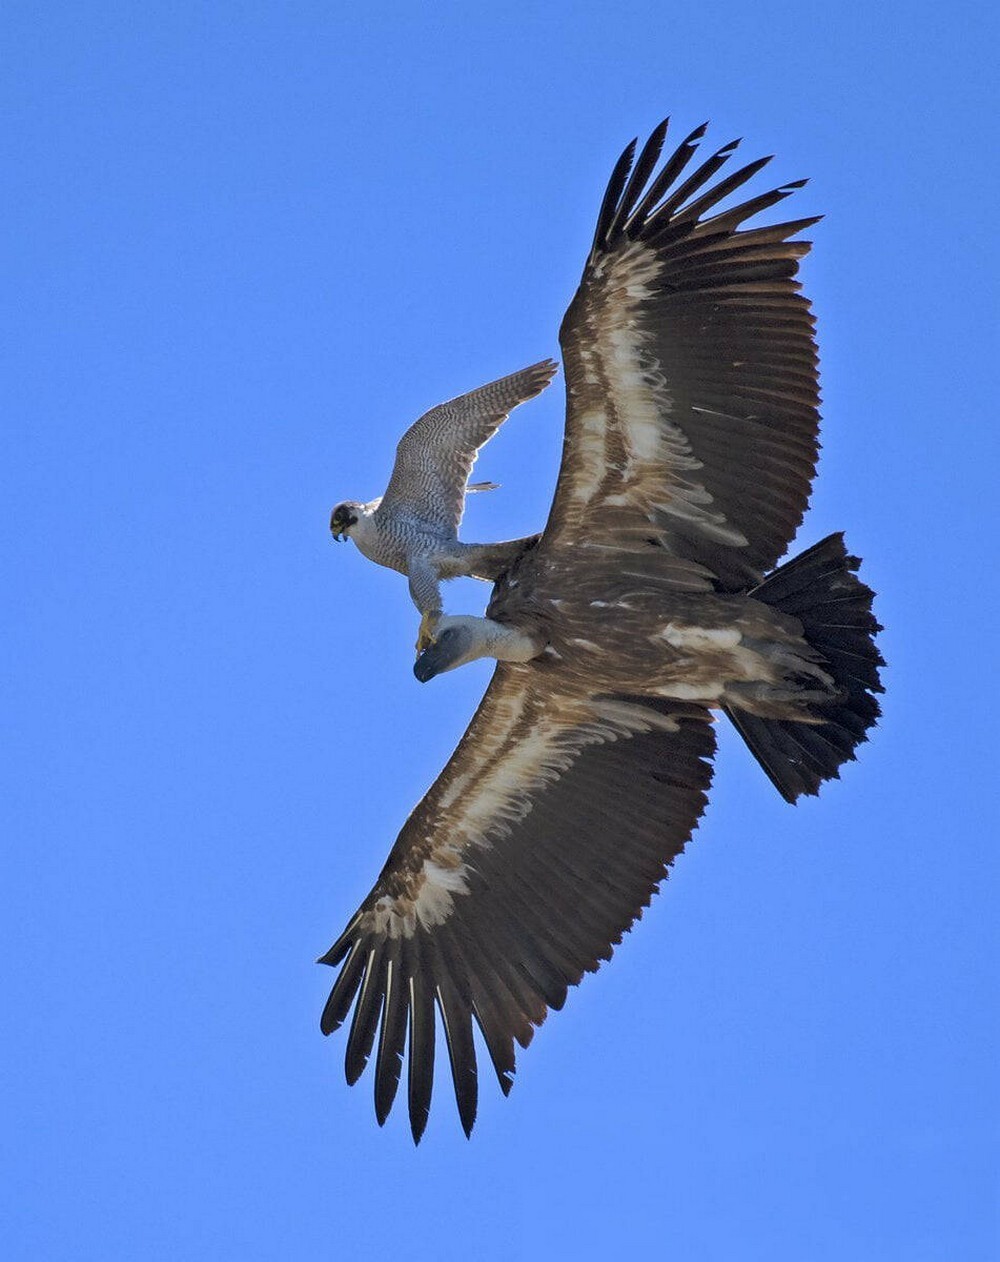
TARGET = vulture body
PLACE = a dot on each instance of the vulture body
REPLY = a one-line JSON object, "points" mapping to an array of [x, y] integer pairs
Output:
{"points": [[648, 603]]}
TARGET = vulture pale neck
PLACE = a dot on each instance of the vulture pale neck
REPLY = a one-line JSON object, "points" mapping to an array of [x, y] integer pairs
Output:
{"points": [[462, 638]]}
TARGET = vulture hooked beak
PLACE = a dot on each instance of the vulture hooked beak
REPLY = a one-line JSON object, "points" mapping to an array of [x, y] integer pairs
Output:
{"points": [[447, 652]]}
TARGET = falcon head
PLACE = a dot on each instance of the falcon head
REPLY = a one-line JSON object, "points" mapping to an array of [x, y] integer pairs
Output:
{"points": [[343, 517]]}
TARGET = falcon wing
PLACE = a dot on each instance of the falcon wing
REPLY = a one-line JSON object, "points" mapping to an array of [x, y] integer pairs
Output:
{"points": [[534, 851], [435, 456], [691, 373]]}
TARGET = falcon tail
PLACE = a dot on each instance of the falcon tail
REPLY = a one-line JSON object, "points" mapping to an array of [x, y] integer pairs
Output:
{"points": [[822, 590]]}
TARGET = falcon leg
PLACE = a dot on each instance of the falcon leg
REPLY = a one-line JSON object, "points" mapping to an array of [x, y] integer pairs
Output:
{"points": [[426, 594]]}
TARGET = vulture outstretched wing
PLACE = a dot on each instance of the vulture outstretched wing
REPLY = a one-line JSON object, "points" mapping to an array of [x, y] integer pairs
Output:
{"points": [[692, 396], [536, 848]]}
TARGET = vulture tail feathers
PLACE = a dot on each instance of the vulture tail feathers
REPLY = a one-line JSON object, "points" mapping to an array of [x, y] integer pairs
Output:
{"points": [[822, 590]]}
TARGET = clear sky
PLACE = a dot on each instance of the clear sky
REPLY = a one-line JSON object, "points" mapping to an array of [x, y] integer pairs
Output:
{"points": [[244, 245]]}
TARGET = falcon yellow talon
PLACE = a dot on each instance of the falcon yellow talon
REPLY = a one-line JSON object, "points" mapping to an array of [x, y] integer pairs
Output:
{"points": [[425, 636]]}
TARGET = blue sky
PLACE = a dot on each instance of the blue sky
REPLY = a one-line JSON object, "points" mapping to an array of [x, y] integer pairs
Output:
{"points": [[244, 246]]}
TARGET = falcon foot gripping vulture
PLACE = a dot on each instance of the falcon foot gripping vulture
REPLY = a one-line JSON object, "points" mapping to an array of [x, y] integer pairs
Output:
{"points": [[649, 601], [413, 528]]}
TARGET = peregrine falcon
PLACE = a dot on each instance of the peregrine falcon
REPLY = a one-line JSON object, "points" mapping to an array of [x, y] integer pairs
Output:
{"points": [[413, 527]]}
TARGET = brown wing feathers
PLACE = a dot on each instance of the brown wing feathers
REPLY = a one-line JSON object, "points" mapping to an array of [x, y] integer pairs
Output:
{"points": [[711, 310], [548, 898]]}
